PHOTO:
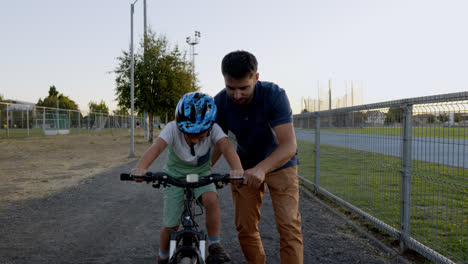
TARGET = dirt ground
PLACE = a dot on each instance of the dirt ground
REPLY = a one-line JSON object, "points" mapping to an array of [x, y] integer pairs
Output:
{"points": [[39, 166]]}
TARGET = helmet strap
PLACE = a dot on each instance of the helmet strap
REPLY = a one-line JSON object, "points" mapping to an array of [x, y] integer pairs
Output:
{"points": [[192, 149]]}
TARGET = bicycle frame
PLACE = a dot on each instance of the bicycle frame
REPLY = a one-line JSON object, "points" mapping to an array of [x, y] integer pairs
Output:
{"points": [[191, 241]]}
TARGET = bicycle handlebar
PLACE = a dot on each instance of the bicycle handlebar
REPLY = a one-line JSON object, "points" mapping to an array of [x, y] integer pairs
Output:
{"points": [[162, 178]]}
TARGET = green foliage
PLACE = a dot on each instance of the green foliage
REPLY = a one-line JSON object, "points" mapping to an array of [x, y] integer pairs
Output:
{"points": [[443, 117], [1, 97], [431, 119], [122, 111], [304, 111], [100, 108], [161, 76], [51, 101], [394, 115]]}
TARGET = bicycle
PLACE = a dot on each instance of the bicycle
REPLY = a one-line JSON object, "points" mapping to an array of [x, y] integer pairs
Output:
{"points": [[187, 245]]}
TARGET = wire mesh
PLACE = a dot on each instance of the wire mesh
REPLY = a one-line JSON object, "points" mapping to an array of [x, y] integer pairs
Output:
{"points": [[18, 120], [361, 162]]}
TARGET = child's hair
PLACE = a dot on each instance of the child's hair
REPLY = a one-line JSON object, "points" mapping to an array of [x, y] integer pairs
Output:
{"points": [[195, 113]]}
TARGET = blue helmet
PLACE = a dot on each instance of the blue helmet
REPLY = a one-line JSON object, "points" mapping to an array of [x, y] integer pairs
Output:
{"points": [[195, 113]]}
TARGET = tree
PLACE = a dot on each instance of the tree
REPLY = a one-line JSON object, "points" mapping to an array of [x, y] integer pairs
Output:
{"points": [[431, 119], [100, 108], [443, 118], [394, 115], [162, 75], [2, 106], [121, 111], [51, 101]]}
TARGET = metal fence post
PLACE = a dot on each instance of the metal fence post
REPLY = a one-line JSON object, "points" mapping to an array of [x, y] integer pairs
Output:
{"points": [[27, 120], [317, 150], [79, 122], [43, 119], [7, 122], [406, 176]]}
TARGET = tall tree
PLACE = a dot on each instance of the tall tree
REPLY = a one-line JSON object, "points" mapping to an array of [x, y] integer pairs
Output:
{"points": [[100, 108], [121, 111], [51, 101], [162, 75], [2, 106]]}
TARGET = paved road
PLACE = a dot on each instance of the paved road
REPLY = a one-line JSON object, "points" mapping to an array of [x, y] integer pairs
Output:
{"points": [[452, 152], [103, 220]]}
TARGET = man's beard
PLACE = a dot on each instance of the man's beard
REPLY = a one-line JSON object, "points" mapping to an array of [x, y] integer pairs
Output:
{"points": [[241, 101]]}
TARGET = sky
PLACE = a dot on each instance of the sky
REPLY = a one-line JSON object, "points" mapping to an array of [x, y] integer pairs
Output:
{"points": [[399, 48]]}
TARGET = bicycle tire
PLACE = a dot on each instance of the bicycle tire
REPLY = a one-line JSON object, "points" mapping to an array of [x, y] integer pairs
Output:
{"points": [[186, 260]]}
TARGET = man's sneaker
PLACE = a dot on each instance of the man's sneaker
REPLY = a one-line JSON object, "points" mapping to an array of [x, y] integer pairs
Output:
{"points": [[217, 254], [163, 261]]}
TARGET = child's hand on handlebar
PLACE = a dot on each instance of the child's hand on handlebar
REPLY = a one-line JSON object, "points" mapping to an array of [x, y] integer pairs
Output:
{"points": [[237, 173], [138, 171]]}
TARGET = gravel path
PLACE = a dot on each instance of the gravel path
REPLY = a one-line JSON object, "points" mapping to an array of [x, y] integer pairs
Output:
{"points": [[104, 220]]}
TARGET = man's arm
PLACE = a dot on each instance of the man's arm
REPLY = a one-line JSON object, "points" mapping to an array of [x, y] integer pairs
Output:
{"points": [[285, 151]]}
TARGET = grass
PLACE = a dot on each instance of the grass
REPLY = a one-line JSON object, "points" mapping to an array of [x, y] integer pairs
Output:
{"points": [[425, 132], [371, 182], [38, 132]]}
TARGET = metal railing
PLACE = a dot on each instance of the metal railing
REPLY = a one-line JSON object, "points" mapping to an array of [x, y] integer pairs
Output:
{"points": [[402, 165], [20, 120]]}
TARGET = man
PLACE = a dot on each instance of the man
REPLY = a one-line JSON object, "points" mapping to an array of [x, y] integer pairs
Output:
{"points": [[259, 115]]}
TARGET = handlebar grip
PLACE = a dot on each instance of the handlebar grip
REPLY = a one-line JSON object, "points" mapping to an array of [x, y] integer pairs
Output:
{"points": [[125, 177]]}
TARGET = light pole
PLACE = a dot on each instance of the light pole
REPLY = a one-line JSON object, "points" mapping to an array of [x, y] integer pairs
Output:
{"points": [[132, 118], [144, 54], [192, 41]]}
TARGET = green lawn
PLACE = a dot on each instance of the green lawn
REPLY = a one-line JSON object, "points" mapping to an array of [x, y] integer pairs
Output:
{"points": [[371, 182], [429, 132]]}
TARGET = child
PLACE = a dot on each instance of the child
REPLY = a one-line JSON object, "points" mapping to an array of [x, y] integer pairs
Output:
{"points": [[191, 138]]}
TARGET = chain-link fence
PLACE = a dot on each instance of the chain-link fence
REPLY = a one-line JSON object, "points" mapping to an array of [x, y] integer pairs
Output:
{"points": [[402, 165], [20, 120]]}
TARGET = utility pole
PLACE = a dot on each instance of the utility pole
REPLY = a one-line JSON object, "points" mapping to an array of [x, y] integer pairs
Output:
{"points": [[132, 88]]}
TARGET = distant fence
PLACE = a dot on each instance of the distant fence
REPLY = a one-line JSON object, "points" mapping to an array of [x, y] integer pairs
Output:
{"points": [[20, 120], [402, 165]]}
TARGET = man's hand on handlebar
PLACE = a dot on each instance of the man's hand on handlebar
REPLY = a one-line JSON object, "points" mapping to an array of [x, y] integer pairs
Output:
{"points": [[254, 177], [138, 171]]}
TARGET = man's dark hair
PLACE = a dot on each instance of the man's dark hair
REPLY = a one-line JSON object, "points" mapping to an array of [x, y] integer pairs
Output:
{"points": [[239, 64]]}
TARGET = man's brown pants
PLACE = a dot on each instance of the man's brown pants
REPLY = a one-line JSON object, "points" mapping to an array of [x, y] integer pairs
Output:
{"points": [[283, 186]]}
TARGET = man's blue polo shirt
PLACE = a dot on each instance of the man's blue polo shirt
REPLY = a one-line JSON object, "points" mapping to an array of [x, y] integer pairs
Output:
{"points": [[253, 124]]}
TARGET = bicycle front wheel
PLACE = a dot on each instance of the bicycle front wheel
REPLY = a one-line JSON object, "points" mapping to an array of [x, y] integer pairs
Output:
{"points": [[186, 260]]}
